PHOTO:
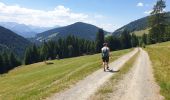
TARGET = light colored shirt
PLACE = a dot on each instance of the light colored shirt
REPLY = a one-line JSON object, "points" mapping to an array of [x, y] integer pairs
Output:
{"points": [[105, 48]]}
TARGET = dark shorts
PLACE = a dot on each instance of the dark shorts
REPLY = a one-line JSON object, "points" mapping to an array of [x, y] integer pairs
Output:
{"points": [[105, 59]]}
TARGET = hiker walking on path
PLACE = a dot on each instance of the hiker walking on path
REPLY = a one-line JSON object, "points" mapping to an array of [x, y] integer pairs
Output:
{"points": [[105, 56]]}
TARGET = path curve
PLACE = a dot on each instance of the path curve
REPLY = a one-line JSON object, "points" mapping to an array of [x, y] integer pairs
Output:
{"points": [[88, 86]]}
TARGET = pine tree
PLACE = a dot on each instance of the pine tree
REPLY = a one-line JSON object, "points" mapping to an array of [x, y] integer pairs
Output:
{"points": [[157, 22], [27, 57], [44, 52], [51, 49], [110, 41], [99, 40], [60, 50], [71, 51], [144, 38], [35, 54], [13, 61], [6, 61], [126, 40], [1, 65], [134, 40], [56, 50]]}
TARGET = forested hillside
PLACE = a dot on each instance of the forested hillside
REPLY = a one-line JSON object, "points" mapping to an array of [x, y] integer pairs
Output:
{"points": [[137, 25], [12, 42]]}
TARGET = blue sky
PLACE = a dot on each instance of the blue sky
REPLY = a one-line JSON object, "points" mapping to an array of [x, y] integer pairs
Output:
{"points": [[107, 14]]}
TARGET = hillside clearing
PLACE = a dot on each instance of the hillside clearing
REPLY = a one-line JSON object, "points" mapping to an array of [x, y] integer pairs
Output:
{"points": [[141, 32]]}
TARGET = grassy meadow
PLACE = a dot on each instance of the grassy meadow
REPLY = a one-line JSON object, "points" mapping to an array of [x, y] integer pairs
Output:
{"points": [[38, 81], [160, 57], [141, 32]]}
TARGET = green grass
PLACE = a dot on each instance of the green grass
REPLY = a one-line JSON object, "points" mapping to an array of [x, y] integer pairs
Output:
{"points": [[141, 32], [160, 57], [38, 81], [108, 87]]}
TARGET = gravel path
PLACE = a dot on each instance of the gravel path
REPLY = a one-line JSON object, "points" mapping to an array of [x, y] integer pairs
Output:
{"points": [[139, 83], [85, 88]]}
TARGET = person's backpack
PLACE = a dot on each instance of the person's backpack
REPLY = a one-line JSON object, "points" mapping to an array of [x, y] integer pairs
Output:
{"points": [[105, 53]]}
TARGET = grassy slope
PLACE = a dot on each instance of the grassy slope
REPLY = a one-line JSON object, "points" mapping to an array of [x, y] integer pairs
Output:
{"points": [[160, 57], [38, 81], [108, 87], [141, 32]]}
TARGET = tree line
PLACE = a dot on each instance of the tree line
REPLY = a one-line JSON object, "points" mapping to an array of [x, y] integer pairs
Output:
{"points": [[73, 46], [8, 61], [62, 48], [70, 46]]}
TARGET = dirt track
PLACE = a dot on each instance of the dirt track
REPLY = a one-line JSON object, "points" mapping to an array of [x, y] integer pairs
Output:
{"points": [[88, 86], [139, 83]]}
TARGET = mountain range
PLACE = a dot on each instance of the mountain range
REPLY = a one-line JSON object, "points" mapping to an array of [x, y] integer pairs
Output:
{"points": [[10, 38], [26, 31]]}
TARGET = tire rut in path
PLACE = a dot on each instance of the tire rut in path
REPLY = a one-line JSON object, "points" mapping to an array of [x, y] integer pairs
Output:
{"points": [[88, 86]]}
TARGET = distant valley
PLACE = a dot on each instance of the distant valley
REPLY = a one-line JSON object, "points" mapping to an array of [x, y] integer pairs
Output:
{"points": [[26, 31]]}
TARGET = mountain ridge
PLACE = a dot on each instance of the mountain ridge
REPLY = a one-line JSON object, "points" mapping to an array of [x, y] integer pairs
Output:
{"points": [[137, 25], [78, 29]]}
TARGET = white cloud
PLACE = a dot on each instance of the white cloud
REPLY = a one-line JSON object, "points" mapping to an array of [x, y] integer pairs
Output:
{"points": [[60, 15], [108, 26], [140, 4]]}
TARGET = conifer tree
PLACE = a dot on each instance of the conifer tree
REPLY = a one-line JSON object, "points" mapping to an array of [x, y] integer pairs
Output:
{"points": [[99, 40], [6, 61], [44, 52], [13, 61], [157, 22], [134, 40], [1, 65], [126, 40], [144, 38], [35, 54], [27, 57]]}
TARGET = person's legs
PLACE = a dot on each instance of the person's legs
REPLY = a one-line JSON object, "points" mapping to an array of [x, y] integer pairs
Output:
{"points": [[103, 63], [104, 66], [107, 63]]}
